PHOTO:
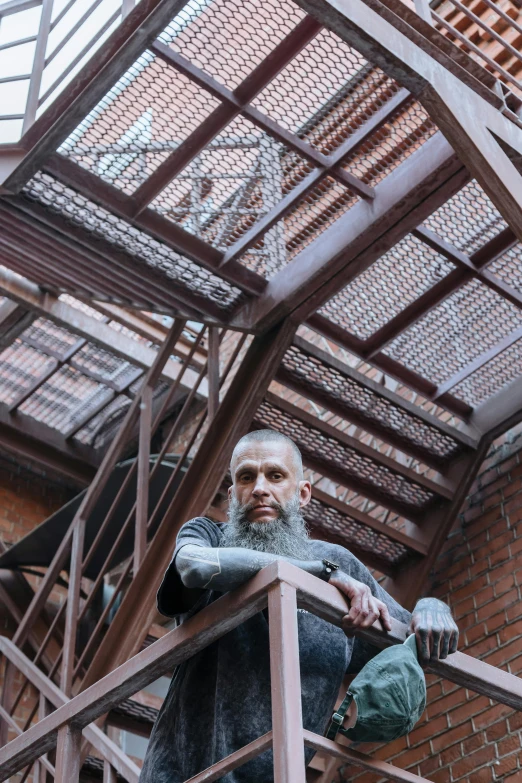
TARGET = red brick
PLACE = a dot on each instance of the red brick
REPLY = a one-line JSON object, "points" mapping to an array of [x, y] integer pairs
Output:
{"points": [[472, 761]]}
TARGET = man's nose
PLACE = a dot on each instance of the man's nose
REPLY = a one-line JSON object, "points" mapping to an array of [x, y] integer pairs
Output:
{"points": [[260, 487]]}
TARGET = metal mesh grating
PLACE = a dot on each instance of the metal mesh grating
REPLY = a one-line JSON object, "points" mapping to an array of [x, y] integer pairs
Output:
{"points": [[315, 376], [467, 220], [105, 226], [387, 287], [229, 38], [326, 92], [329, 453], [406, 130], [106, 365], [509, 267], [49, 338], [466, 324], [352, 533], [145, 116], [64, 399], [20, 367], [313, 214], [237, 179], [490, 379]]}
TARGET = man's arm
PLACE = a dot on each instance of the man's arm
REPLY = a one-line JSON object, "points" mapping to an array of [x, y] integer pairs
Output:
{"points": [[436, 630], [226, 568]]}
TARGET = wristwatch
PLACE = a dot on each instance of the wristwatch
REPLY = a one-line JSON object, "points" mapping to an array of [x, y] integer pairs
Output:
{"points": [[328, 570]]}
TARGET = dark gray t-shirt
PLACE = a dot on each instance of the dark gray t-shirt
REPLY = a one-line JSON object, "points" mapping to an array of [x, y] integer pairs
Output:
{"points": [[219, 700]]}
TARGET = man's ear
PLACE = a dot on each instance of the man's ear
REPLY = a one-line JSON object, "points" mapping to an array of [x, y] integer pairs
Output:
{"points": [[305, 493], [230, 493]]}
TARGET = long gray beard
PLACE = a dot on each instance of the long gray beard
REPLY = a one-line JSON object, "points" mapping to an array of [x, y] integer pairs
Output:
{"points": [[286, 535]]}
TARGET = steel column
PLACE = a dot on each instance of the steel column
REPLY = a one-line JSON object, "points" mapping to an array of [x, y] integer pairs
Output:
{"points": [[287, 718]]}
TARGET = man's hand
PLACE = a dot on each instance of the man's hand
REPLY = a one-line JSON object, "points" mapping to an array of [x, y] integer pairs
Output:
{"points": [[365, 609], [435, 629]]}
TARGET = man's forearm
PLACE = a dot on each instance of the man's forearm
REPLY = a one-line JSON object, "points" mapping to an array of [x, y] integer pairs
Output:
{"points": [[227, 568]]}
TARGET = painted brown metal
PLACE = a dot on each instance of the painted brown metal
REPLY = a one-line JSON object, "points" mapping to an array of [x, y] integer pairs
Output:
{"points": [[68, 755], [287, 719], [279, 582], [200, 484]]}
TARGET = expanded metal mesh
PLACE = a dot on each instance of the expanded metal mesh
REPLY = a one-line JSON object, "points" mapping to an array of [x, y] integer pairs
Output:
{"points": [[406, 130], [312, 215], [108, 367], [326, 92], [315, 376], [467, 220], [105, 226], [150, 111], [490, 379], [229, 38], [49, 338], [465, 325], [354, 534], [387, 287], [64, 399], [20, 367], [330, 453], [509, 267], [240, 176]]}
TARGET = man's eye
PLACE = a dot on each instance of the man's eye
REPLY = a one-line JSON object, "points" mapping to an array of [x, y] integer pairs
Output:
{"points": [[277, 476], [246, 477]]}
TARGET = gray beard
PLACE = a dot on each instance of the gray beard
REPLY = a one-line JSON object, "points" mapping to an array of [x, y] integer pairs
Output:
{"points": [[286, 535]]}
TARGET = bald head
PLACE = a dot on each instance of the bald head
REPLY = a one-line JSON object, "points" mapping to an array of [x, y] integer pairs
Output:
{"points": [[267, 437]]}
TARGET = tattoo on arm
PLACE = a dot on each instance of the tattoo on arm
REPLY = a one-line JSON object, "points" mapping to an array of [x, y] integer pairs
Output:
{"points": [[226, 568], [207, 556]]}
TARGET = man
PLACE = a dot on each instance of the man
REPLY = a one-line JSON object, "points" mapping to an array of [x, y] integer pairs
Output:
{"points": [[219, 700]]}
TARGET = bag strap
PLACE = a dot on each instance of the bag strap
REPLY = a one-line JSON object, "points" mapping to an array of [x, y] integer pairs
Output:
{"points": [[338, 717]]}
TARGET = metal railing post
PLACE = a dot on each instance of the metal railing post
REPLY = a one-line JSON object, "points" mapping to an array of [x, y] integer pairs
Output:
{"points": [[68, 755], [287, 719]]}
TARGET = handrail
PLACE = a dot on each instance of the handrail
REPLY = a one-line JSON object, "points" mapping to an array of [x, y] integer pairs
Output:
{"points": [[46, 687], [282, 587]]}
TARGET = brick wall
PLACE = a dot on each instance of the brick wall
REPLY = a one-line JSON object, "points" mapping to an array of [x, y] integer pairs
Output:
{"points": [[462, 736]]}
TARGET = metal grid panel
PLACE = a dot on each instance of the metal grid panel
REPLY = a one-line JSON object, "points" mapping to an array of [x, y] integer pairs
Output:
{"points": [[326, 93], [52, 194], [20, 367], [387, 287], [352, 533], [313, 375], [487, 381], [330, 453], [106, 365], [64, 399], [395, 141], [466, 324], [229, 38], [48, 337], [144, 117], [509, 267], [310, 217], [467, 220], [238, 178]]}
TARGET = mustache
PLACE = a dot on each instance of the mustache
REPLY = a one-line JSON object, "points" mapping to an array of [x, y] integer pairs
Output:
{"points": [[252, 505]]}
